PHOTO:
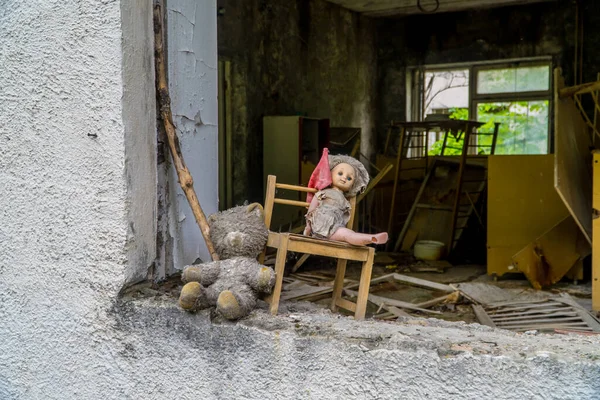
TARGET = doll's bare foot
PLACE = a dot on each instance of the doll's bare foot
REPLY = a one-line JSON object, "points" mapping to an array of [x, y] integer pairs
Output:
{"points": [[228, 306], [380, 238], [191, 274], [190, 293]]}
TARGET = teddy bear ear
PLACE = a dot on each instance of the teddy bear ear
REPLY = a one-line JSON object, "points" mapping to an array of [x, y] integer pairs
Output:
{"points": [[253, 207]]}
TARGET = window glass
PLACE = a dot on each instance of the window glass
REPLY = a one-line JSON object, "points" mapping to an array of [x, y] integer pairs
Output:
{"points": [[523, 126], [511, 80], [444, 90]]}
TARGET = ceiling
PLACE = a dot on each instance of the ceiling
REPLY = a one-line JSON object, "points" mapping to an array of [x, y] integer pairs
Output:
{"points": [[389, 8]]}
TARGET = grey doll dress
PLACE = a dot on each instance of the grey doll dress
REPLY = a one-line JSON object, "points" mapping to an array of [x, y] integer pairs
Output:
{"points": [[332, 213]]}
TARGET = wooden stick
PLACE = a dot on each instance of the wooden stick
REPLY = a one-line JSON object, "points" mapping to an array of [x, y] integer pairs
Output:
{"points": [[164, 100], [579, 89]]}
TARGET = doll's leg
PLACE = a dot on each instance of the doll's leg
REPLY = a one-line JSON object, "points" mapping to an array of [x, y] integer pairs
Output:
{"points": [[349, 236]]}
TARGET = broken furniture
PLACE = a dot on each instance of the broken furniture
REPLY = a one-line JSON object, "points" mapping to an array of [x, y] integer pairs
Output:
{"points": [[522, 205], [449, 195], [292, 146], [576, 169], [413, 153], [285, 241], [540, 207], [560, 312]]}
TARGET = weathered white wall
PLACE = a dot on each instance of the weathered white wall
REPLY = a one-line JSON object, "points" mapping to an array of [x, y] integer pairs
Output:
{"points": [[192, 65]]}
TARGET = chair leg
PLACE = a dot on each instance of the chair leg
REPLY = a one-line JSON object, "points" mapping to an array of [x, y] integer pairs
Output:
{"points": [[338, 284], [279, 268], [364, 285]]}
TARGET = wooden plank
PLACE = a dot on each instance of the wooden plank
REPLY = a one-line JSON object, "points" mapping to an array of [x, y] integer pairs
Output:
{"points": [[296, 187], [423, 283], [320, 247], [572, 144], [291, 202], [393, 302], [348, 305], [436, 301], [300, 262], [304, 291], [596, 235], [279, 268], [414, 206], [517, 185], [373, 182], [483, 293], [533, 318], [547, 259], [517, 302], [338, 283], [583, 313], [550, 305], [578, 89], [383, 278], [482, 316], [365, 283], [396, 179], [409, 239], [530, 312]]}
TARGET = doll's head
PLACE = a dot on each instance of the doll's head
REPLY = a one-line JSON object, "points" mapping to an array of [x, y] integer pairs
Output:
{"points": [[348, 174]]}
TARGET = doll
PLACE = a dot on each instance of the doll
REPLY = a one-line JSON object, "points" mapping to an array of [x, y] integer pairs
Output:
{"points": [[339, 177]]}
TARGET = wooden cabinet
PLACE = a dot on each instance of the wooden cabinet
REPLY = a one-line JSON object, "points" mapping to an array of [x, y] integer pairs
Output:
{"points": [[292, 147]]}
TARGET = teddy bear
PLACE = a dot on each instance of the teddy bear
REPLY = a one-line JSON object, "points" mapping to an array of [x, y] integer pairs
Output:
{"points": [[233, 283]]}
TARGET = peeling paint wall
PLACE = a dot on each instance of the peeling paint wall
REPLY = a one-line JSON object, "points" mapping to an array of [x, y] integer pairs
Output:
{"points": [[139, 123], [294, 57], [544, 29], [192, 69]]}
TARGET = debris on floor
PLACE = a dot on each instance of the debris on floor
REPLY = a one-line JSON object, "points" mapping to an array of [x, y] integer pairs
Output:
{"points": [[461, 293]]}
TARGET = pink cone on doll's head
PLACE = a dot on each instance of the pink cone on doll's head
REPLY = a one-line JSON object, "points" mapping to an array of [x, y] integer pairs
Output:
{"points": [[321, 176]]}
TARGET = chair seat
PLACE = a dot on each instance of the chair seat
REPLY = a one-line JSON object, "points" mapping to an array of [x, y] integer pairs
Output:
{"points": [[321, 247]]}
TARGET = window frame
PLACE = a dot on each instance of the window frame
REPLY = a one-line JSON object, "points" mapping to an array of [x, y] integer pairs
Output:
{"points": [[415, 104]]}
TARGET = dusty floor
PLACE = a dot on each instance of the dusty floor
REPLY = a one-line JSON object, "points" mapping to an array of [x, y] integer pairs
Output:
{"points": [[461, 311], [324, 269]]}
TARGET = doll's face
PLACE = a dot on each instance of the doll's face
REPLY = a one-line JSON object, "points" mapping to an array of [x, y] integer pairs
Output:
{"points": [[343, 176]]}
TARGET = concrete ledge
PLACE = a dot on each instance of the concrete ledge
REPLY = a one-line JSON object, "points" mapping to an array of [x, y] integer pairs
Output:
{"points": [[315, 354]]}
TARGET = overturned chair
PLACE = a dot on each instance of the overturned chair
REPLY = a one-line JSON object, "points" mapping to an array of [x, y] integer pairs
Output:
{"points": [[285, 242]]}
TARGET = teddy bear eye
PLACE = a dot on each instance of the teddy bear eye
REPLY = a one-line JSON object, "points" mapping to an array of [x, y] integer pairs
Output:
{"points": [[340, 173], [349, 178]]}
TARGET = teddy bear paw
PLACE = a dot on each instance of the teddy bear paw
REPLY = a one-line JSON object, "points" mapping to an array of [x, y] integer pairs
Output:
{"points": [[266, 280], [228, 306], [191, 274], [190, 293]]}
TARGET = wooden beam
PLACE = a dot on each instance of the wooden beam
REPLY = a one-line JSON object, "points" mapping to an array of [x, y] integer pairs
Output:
{"points": [[579, 89], [393, 302]]}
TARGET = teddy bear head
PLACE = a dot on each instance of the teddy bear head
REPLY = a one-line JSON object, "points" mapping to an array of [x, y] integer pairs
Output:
{"points": [[239, 231]]}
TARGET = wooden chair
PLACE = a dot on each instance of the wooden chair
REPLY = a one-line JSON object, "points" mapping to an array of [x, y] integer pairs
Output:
{"points": [[285, 242]]}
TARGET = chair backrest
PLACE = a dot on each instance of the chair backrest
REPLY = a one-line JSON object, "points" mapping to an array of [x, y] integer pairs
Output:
{"points": [[271, 199]]}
